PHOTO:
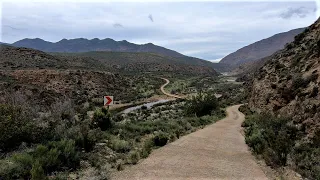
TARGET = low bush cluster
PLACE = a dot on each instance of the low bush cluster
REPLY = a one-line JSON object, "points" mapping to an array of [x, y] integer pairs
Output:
{"points": [[45, 159], [102, 119], [278, 142], [17, 126], [202, 104], [270, 136], [306, 157]]}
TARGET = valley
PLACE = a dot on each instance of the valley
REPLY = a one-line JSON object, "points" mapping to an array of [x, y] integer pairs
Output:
{"points": [[255, 114], [63, 101]]}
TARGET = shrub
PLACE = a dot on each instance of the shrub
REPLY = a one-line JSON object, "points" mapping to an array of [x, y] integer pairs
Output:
{"points": [[202, 104], [161, 139], [17, 127], [306, 157], [102, 119], [37, 172], [16, 167], [270, 136], [57, 155], [147, 148], [120, 145], [299, 81], [255, 140], [134, 157], [24, 163], [9, 169], [68, 155], [245, 110]]}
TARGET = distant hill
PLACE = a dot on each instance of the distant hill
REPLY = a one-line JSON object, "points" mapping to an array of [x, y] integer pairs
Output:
{"points": [[260, 49], [85, 45]]}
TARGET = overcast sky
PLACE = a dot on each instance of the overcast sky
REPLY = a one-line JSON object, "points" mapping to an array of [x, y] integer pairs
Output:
{"points": [[207, 30]]}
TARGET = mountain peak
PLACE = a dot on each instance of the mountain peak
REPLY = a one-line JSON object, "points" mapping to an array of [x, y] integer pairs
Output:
{"points": [[95, 39], [32, 39]]}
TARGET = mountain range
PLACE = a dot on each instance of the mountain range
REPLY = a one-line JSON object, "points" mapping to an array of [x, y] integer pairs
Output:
{"points": [[243, 60], [86, 45], [81, 45]]}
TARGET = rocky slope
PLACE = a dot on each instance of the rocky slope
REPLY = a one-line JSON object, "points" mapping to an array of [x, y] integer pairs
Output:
{"points": [[260, 49], [288, 85]]}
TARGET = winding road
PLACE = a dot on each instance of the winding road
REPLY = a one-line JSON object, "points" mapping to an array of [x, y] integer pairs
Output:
{"points": [[166, 93], [216, 152]]}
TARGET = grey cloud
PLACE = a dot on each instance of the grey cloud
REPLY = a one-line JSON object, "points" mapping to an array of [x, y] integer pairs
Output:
{"points": [[300, 12], [150, 17], [117, 25]]}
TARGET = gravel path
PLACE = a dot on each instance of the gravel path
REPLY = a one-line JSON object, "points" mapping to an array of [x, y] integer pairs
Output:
{"points": [[215, 152], [166, 93]]}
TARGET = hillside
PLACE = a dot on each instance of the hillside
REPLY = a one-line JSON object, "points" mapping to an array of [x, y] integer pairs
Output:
{"points": [[260, 49], [147, 62], [288, 85], [45, 79], [24, 58]]}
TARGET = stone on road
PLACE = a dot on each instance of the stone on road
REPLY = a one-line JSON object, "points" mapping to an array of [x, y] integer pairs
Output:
{"points": [[216, 152]]}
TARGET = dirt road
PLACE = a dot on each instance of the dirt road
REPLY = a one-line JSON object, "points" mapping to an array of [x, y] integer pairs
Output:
{"points": [[166, 93], [215, 152]]}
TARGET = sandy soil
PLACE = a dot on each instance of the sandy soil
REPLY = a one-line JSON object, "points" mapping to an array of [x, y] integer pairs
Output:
{"points": [[215, 152]]}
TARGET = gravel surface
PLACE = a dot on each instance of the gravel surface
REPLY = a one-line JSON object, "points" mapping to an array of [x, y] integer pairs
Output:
{"points": [[215, 152]]}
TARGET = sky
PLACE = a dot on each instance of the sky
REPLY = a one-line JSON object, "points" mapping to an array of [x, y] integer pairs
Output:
{"points": [[208, 30]]}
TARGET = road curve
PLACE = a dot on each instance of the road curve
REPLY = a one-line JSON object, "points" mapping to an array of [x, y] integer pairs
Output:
{"points": [[166, 93], [215, 152]]}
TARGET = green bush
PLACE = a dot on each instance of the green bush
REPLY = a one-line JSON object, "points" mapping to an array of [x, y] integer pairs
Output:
{"points": [[202, 104], [55, 156], [119, 145], [16, 127], [37, 172], [306, 157], [299, 82], [134, 157], [102, 119], [161, 139], [68, 156], [147, 148], [16, 167], [270, 136]]}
